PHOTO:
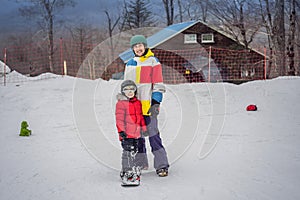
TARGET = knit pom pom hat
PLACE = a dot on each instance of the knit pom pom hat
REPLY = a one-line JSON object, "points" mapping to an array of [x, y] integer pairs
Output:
{"points": [[138, 39]]}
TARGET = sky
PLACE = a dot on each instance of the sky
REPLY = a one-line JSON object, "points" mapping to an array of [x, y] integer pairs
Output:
{"points": [[8, 18], [90, 10]]}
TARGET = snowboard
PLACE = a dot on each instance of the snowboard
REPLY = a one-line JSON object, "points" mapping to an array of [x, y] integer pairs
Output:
{"points": [[130, 183], [133, 181]]}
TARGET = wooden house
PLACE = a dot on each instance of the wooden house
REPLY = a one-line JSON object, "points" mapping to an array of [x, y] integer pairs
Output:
{"points": [[195, 52]]}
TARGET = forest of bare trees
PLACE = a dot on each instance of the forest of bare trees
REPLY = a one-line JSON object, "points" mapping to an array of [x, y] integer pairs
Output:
{"points": [[275, 20]]}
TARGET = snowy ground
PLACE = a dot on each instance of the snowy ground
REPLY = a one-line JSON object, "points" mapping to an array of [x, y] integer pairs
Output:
{"points": [[216, 148]]}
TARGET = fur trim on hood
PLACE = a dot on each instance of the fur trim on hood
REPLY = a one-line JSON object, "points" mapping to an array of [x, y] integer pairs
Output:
{"points": [[121, 97]]}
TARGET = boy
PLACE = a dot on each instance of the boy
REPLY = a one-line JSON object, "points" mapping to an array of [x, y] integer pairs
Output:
{"points": [[146, 71], [130, 123]]}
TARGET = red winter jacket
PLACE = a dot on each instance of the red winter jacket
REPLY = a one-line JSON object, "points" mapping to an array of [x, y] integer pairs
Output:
{"points": [[129, 117]]}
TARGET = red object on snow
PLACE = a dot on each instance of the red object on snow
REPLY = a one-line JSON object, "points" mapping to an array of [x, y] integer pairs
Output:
{"points": [[251, 107]]}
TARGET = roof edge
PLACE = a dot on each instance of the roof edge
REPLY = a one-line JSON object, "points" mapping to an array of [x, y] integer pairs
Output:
{"points": [[175, 33]]}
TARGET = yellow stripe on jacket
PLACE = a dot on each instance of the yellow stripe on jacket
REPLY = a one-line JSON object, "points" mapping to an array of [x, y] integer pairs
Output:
{"points": [[146, 104], [138, 74]]}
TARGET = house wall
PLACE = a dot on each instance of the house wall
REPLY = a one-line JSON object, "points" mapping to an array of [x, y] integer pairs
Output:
{"points": [[231, 64], [177, 43], [220, 40]]}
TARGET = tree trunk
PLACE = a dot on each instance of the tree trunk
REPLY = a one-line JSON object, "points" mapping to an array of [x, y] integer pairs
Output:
{"points": [[242, 26], [278, 31], [169, 8], [51, 44], [49, 21], [111, 28], [180, 10], [291, 40]]}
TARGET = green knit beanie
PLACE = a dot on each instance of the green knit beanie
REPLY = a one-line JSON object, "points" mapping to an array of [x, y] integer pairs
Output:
{"points": [[138, 39]]}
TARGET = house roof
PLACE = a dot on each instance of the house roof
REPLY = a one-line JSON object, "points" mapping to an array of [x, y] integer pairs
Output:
{"points": [[160, 37]]}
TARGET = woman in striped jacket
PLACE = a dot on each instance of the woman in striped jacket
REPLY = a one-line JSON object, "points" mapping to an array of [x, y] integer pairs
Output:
{"points": [[146, 71]]}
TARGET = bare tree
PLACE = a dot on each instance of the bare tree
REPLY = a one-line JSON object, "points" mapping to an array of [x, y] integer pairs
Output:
{"points": [[238, 18], [204, 9], [180, 9], [201, 8], [169, 8], [265, 9], [83, 35], [297, 40], [111, 27], [274, 25], [45, 11], [278, 31], [291, 37]]}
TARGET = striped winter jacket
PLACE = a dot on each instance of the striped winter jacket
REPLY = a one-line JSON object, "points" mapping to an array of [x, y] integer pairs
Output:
{"points": [[146, 72]]}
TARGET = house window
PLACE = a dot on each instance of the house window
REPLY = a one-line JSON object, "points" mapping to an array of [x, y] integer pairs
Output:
{"points": [[190, 38], [207, 38]]}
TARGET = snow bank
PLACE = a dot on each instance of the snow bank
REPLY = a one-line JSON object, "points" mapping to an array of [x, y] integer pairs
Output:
{"points": [[16, 77], [4, 68]]}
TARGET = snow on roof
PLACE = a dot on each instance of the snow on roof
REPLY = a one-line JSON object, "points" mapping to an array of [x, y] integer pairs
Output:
{"points": [[160, 37]]}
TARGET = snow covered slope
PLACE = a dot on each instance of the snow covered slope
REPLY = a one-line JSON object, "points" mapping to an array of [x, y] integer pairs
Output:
{"points": [[216, 148]]}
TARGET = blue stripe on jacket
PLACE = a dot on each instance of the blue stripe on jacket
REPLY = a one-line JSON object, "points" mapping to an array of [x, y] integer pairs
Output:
{"points": [[157, 96]]}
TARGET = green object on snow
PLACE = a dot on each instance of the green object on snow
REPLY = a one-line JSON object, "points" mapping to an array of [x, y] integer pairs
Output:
{"points": [[24, 129]]}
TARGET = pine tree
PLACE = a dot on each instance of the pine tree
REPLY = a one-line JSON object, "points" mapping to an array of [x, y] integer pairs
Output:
{"points": [[137, 14]]}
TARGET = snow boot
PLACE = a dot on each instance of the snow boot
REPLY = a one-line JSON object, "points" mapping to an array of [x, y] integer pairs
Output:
{"points": [[162, 172]]}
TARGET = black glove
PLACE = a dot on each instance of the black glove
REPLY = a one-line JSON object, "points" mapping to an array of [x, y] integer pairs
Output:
{"points": [[145, 133], [123, 135], [154, 110], [130, 145]]}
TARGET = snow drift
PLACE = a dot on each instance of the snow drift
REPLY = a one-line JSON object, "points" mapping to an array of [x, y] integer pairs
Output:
{"points": [[4, 68]]}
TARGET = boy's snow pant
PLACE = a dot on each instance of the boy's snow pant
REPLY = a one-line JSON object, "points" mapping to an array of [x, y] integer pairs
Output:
{"points": [[130, 148], [142, 159], [157, 148]]}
